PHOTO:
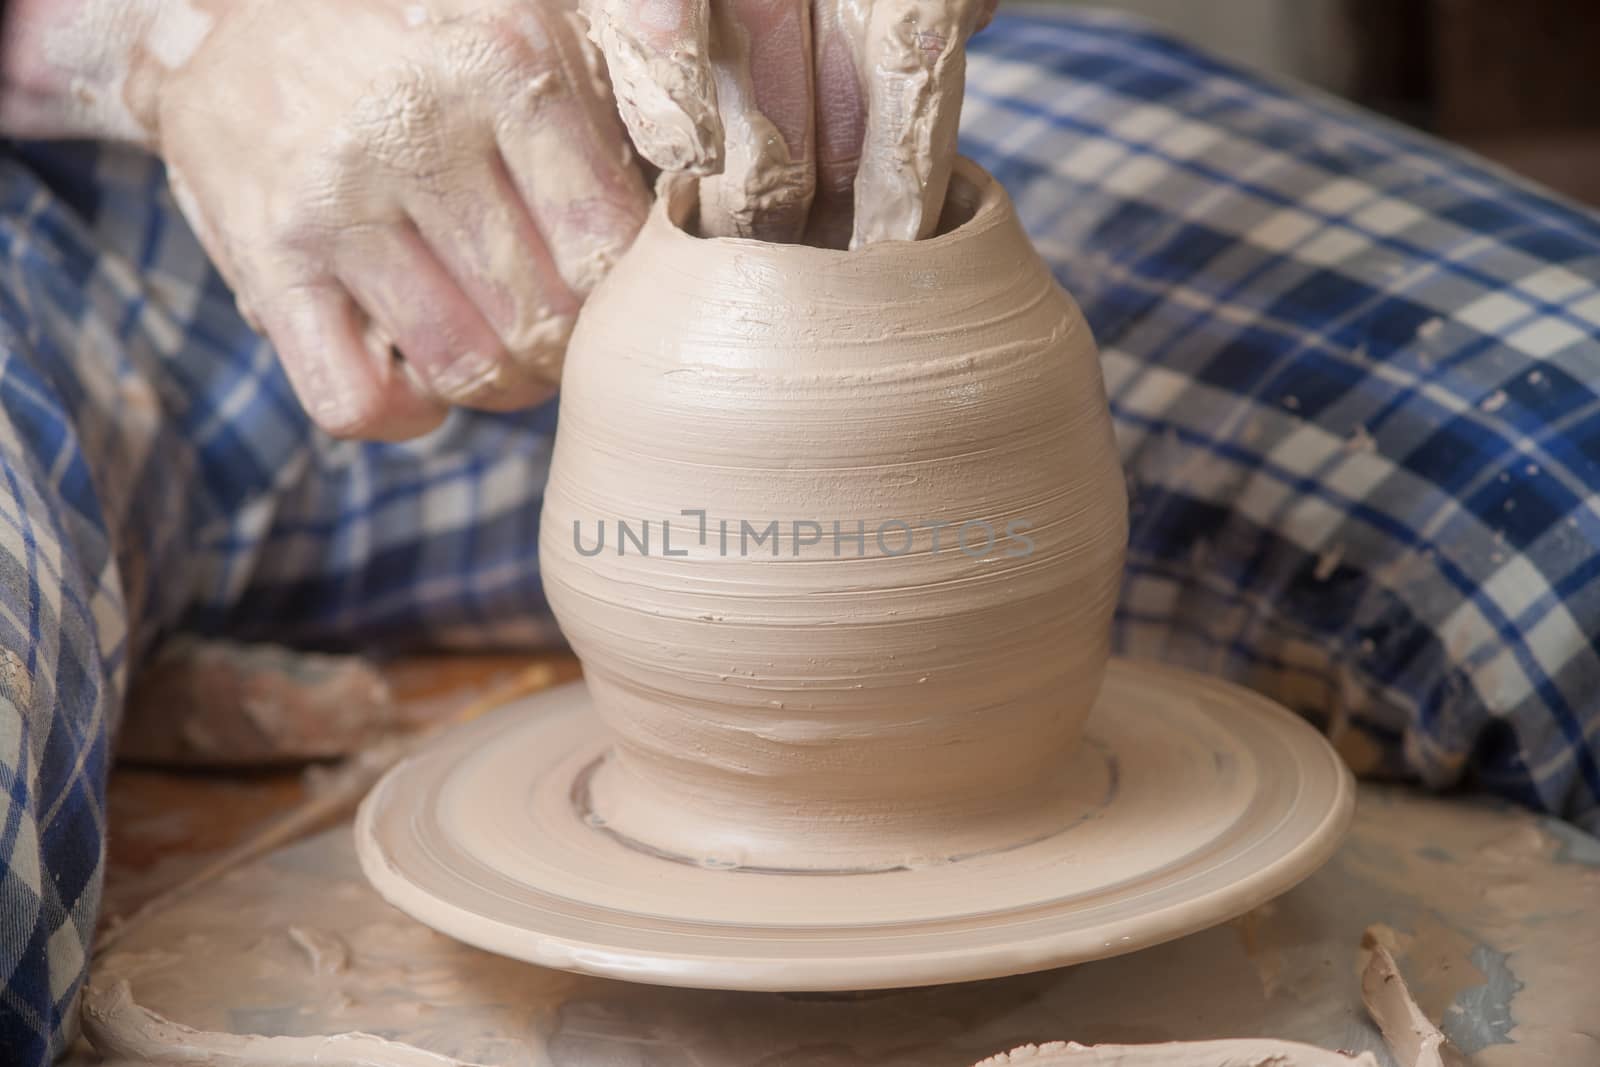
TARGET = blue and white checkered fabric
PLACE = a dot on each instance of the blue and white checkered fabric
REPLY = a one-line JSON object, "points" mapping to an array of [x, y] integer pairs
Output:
{"points": [[1356, 380], [1354, 376]]}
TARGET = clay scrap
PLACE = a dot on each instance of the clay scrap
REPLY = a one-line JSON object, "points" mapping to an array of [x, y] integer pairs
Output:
{"points": [[1413, 1039], [121, 1029], [222, 704], [1254, 1052]]}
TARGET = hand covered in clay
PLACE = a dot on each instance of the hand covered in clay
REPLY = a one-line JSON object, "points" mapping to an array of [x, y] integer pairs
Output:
{"points": [[827, 120], [410, 197]]}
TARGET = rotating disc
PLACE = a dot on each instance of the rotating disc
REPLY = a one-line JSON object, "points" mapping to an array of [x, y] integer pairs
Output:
{"points": [[1193, 800]]}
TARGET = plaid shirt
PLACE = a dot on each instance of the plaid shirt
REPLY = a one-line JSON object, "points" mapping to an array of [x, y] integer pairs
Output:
{"points": [[1354, 376]]}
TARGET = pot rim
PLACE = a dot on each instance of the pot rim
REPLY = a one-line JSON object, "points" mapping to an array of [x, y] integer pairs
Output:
{"points": [[973, 191]]}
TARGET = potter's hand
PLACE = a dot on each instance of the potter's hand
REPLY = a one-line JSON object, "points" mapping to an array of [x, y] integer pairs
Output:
{"points": [[794, 101], [446, 177]]}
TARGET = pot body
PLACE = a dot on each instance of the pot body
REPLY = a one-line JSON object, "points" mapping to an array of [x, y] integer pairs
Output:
{"points": [[838, 537]]}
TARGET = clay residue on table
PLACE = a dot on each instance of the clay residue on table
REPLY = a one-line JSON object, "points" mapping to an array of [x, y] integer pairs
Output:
{"points": [[1416, 1041], [120, 1028], [1243, 1052], [1492, 917], [169, 828], [1457, 883], [223, 704]]}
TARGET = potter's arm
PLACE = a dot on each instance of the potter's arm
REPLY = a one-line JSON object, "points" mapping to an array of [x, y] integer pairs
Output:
{"points": [[65, 66], [830, 119], [410, 198]]}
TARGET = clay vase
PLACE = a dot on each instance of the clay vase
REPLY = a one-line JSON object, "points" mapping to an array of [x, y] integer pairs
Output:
{"points": [[837, 536]]}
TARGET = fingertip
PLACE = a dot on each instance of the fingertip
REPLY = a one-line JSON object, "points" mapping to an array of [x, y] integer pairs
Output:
{"points": [[526, 373], [587, 238], [765, 79], [387, 407], [346, 389], [841, 117], [379, 423], [540, 351], [496, 383], [662, 79], [519, 396], [914, 100]]}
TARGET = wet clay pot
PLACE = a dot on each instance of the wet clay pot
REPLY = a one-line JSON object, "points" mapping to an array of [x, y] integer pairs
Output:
{"points": [[837, 536]]}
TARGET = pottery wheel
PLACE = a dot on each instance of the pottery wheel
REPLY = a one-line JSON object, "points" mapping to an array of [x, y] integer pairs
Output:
{"points": [[1191, 801]]}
